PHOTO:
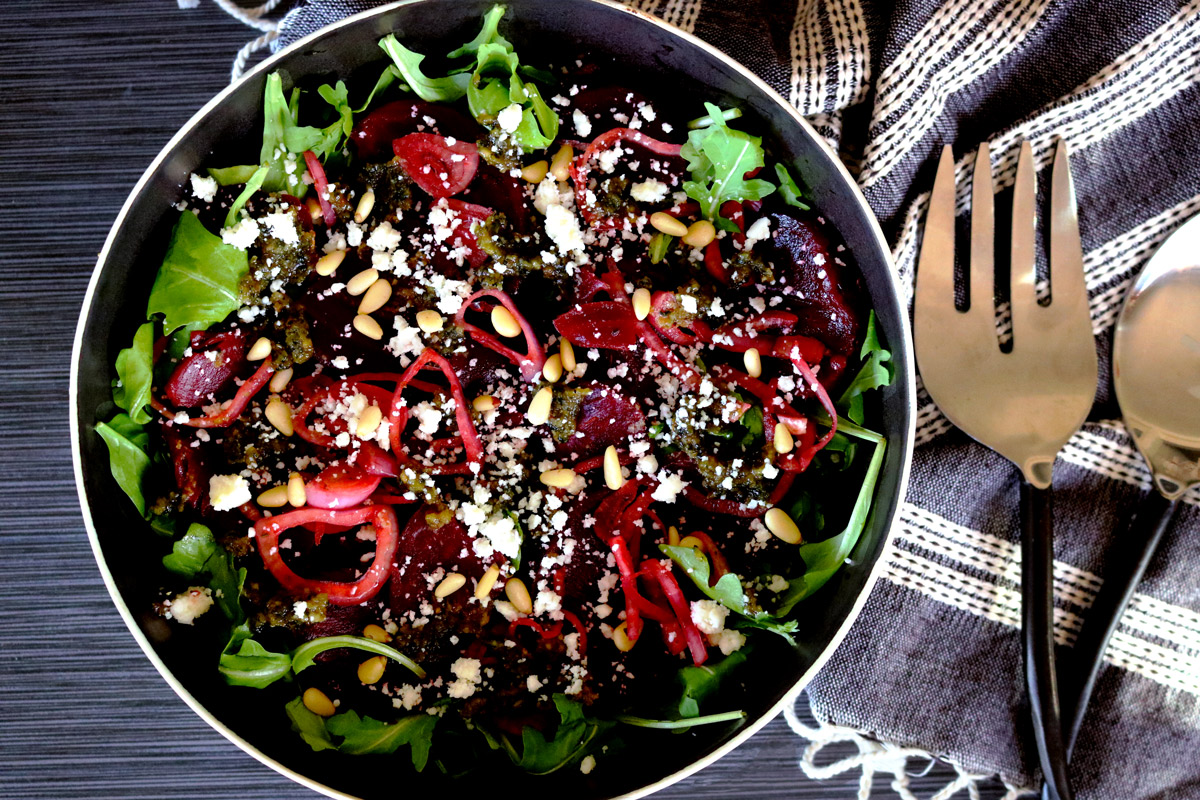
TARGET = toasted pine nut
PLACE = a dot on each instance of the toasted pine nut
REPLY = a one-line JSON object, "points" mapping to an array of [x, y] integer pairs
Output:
{"points": [[362, 281], [536, 172], [315, 211], [365, 204], [567, 352], [297, 495], [371, 670], [518, 595], [259, 350], [539, 406], [275, 497], [317, 702], [450, 584], [368, 422], [558, 478], [430, 321], [376, 633], [620, 638], [641, 303], [662, 221], [504, 322], [328, 263], [780, 524], [375, 297], [783, 438], [279, 415], [613, 478], [280, 380], [691, 541], [700, 234], [552, 370], [560, 165], [368, 327], [672, 535], [485, 402], [484, 587], [753, 362]]}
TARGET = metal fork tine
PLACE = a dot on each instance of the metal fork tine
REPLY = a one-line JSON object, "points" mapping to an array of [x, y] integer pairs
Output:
{"points": [[1024, 265], [935, 270], [1066, 255], [983, 233]]}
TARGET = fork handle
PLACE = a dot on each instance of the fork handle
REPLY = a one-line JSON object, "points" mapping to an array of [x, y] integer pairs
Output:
{"points": [[1037, 625]]}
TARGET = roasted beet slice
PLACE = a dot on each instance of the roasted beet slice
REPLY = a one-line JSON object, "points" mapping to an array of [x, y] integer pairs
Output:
{"points": [[441, 167], [605, 323], [605, 417], [374, 134], [421, 550], [502, 192], [209, 369]]}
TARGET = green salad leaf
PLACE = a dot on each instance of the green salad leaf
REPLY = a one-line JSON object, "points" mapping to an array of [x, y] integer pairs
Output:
{"points": [[876, 371], [488, 34], [496, 84], [304, 655], [727, 591], [252, 665], [197, 284], [135, 375], [284, 140], [198, 553], [672, 724], [386, 78], [364, 735], [128, 455], [571, 741], [718, 158], [310, 726], [788, 189], [431, 90], [701, 682], [232, 176], [253, 184]]}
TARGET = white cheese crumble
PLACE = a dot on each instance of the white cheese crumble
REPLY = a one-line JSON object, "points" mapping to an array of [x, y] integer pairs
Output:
{"points": [[728, 640], [669, 487], [509, 118], [227, 492], [583, 125], [468, 675], [282, 227], [185, 607], [204, 188], [709, 615], [563, 229], [761, 229], [648, 191], [689, 303], [241, 235], [587, 765]]}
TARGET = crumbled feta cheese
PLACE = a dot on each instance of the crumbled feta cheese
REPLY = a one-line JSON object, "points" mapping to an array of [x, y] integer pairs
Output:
{"points": [[282, 227], [204, 188], [689, 303], [185, 607], [761, 229], [709, 615], [533, 683], [583, 125], [728, 640], [468, 675], [241, 235], [669, 487], [563, 229], [227, 492], [778, 584], [587, 765], [648, 191], [509, 118]]}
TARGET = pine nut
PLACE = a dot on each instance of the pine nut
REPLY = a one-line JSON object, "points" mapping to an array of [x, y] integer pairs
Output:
{"points": [[328, 263], [780, 524], [365, 204], [376, 633], [275, 497], [281, 379], [552, 370], [485, 402], [375, 297], [361, 282], [518, 595], [700, 234], [259, 350], [662, 221], [371, 670], [753, 362], [613, 478], [567, 351], [368, 422], [484, 587], [620, 638], [539, 407], [430, 321], [558, 478], [279, 414], [641, 303], [449, 585], [297, 495], [536, 172], [505, 323], [691, 541], [317, 702], [783, 439], [368, 327], [314, 211], [560, 165], [672, 535]]}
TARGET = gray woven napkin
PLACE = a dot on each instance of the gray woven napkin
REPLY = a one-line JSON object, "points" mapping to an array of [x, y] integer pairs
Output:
{"points": [[933, 663]]}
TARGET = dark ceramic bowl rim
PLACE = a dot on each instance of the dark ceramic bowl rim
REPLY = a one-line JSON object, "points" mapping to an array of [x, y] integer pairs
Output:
{"points": [[905, 379]]}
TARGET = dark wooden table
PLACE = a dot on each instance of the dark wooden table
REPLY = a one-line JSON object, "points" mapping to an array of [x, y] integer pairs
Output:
{"points": [[89, 92]]}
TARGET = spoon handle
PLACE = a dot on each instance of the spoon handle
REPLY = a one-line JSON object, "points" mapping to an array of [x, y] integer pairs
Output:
{"points": [[1128, 563], [1037, 627]]}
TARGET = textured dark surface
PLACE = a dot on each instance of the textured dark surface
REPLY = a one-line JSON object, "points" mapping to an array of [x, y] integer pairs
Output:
{"points": [[89, 94]]}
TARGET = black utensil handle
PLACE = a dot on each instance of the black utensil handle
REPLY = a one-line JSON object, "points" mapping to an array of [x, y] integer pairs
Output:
{"points": [[1129, 562], [1037, 626]]}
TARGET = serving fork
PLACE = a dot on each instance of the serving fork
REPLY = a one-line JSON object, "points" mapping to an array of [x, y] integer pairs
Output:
{"points": [[1024, 404]]}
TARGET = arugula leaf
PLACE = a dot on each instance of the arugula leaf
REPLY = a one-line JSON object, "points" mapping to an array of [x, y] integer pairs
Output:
{"points": [[876, 371], [341, 128], [232, 176], [752, 421], [718, 158], [660, 245], [135, 374], [197, 552], [496, 84], [571, 740], [253, 184], [823, 559], [363, 735], [128, 456], [788, 189], [668, 724], [304, 655], [488, 34], [310, 726], [284, 140], [197, 284], [707, 120], [700, 682], [386, 78], [252, 665], [408, 63], [727, 591]]}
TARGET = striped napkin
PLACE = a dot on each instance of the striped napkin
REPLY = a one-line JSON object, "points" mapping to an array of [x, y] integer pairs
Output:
{"points": [[933, 665]]}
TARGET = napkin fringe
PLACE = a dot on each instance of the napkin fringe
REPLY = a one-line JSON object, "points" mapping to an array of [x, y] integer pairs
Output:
{"points": [[879, 757]]}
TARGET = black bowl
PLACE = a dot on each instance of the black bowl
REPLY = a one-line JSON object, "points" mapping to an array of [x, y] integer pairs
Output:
{"points": [[111, 311]]}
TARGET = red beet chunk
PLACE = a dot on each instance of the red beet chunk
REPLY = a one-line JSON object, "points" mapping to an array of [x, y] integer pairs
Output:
{"points": [[421, 550], [190, 464], [209, 369], [441, 167], [606, 323], [502, 192], [374, 134], [605, 417], [803, 255]]}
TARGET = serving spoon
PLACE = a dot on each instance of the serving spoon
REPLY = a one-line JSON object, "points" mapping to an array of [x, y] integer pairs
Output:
{"points": [[1156, 371]]}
